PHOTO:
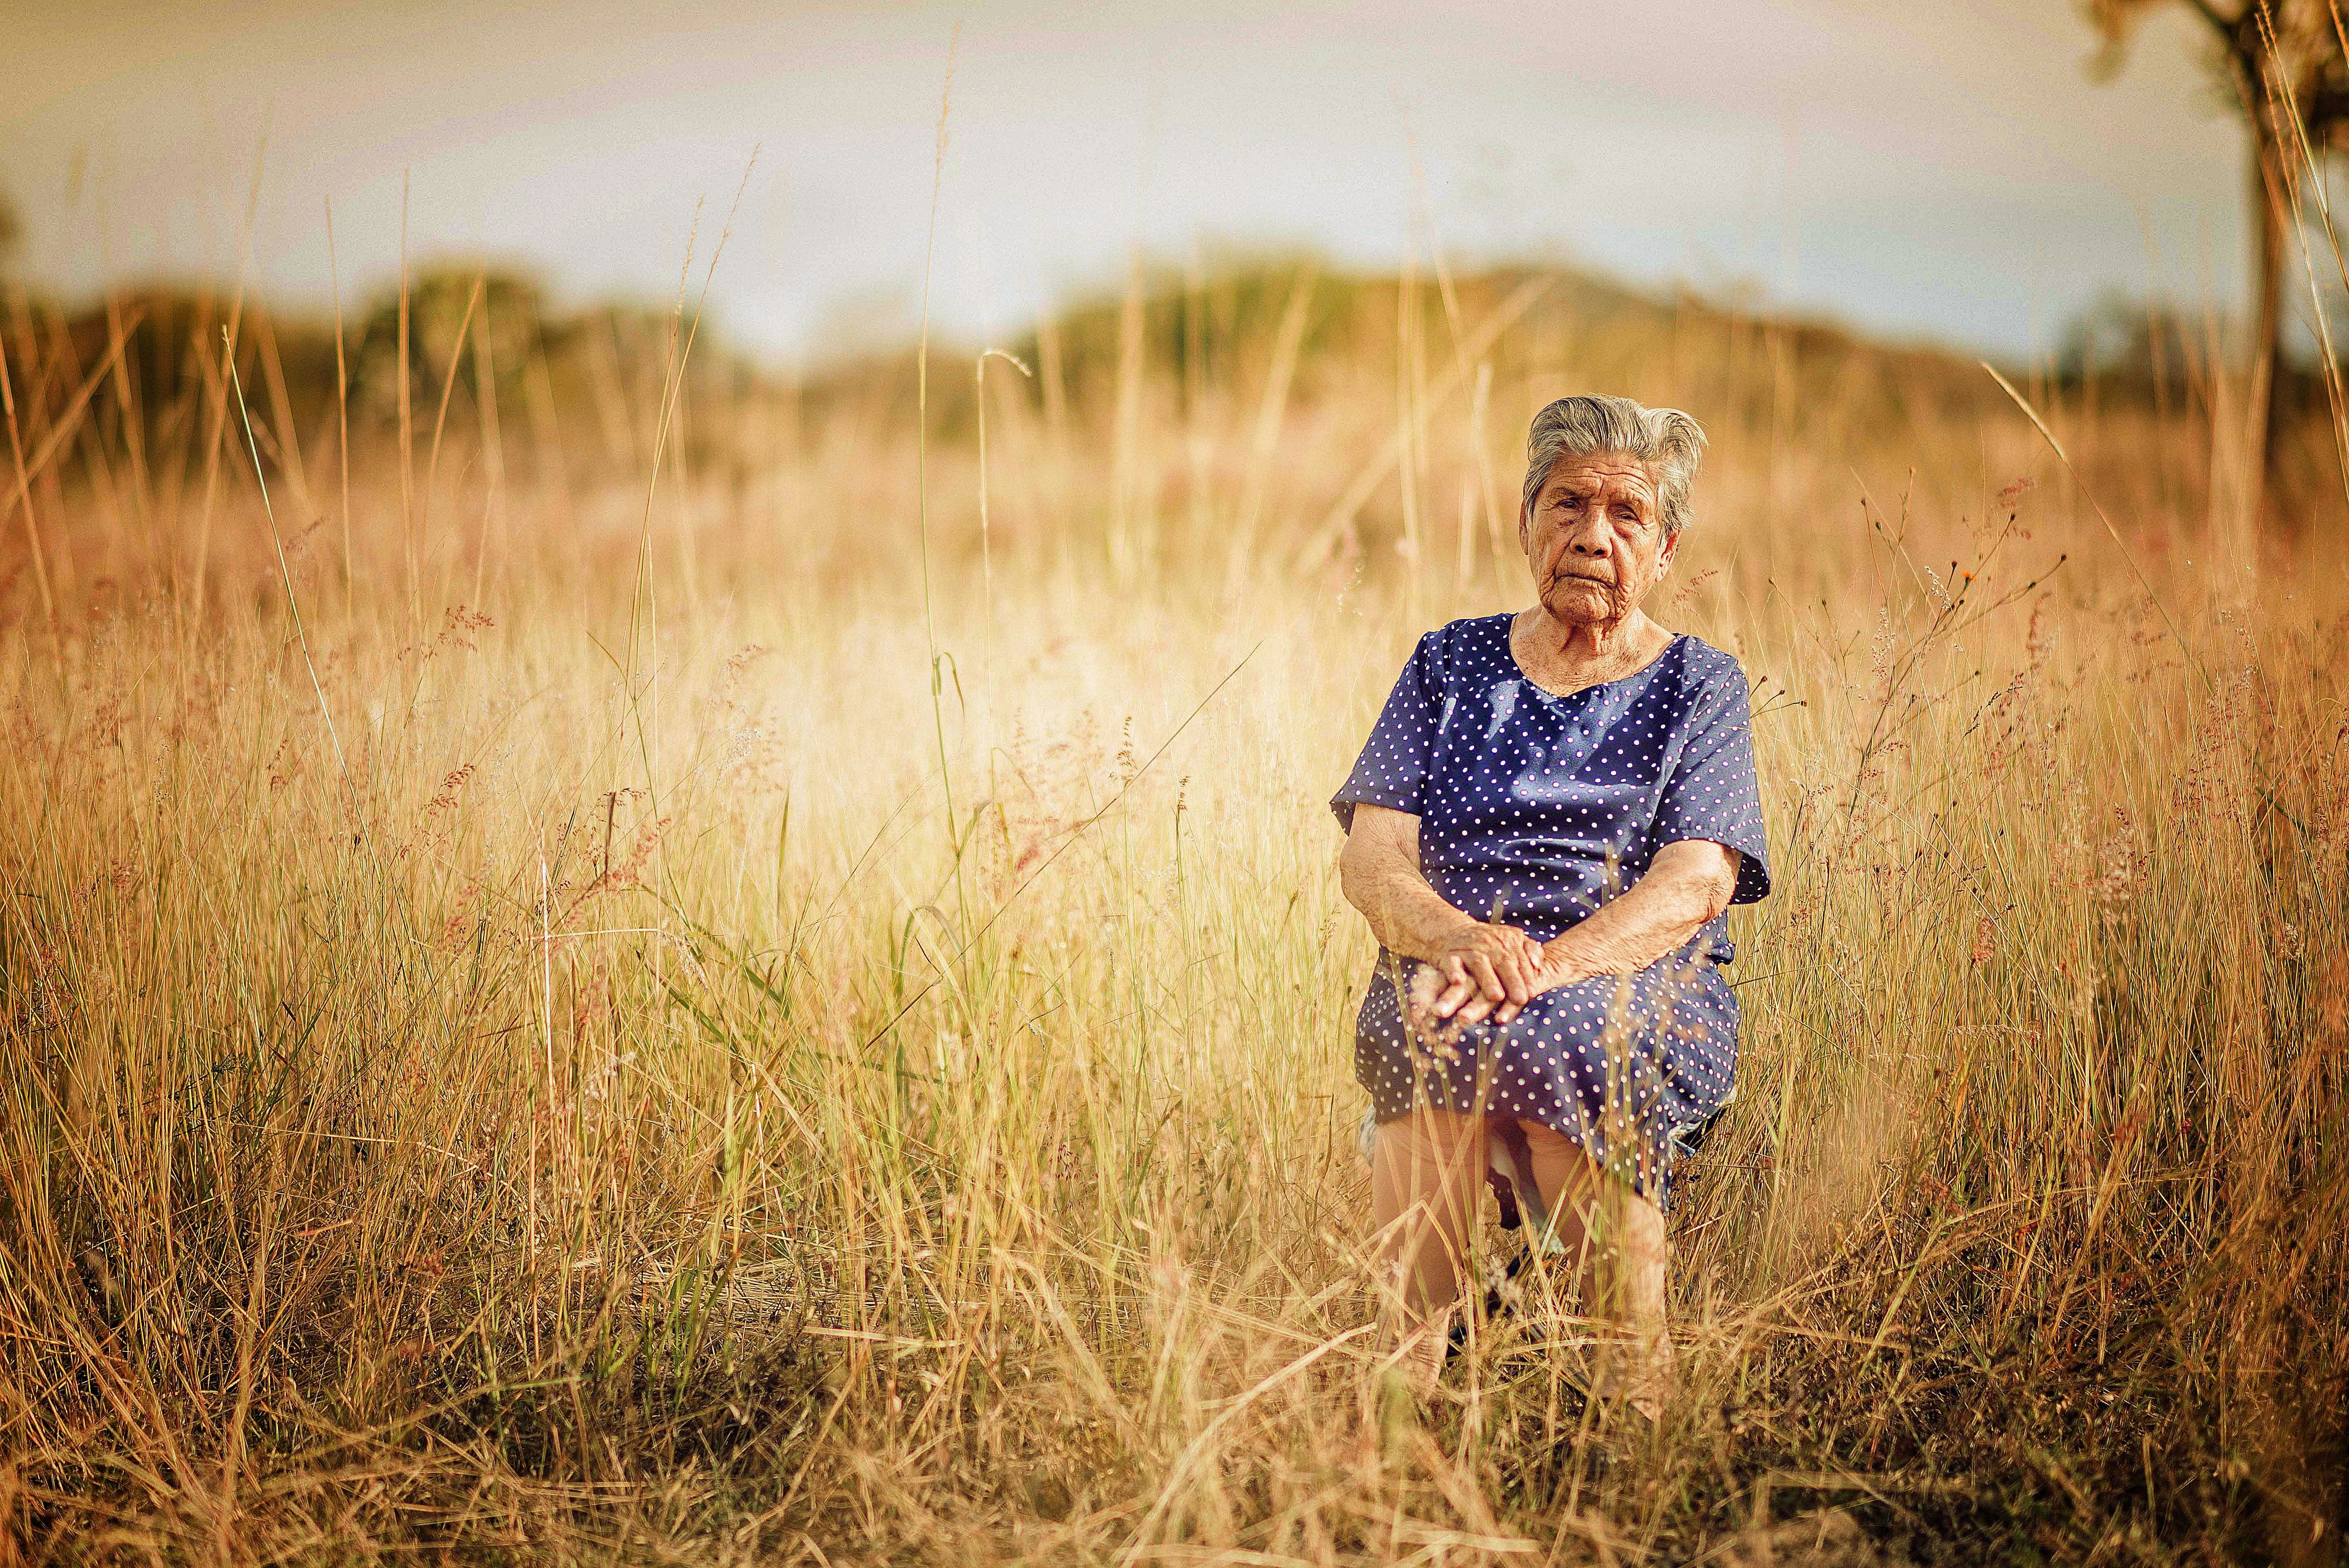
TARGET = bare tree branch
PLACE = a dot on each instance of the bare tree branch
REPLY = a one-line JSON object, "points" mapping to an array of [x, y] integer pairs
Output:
{"points": [[2287, 62], [2220, 25]]}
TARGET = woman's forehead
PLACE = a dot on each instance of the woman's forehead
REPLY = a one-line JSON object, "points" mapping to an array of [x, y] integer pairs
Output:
{"points": [[1601, 471]]}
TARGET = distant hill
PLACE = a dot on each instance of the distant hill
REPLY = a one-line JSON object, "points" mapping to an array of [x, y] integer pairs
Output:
{"points": [[1329, 332]]}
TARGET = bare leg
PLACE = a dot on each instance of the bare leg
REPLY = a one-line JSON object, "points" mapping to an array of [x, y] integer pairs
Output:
{"points": [[1617, 1258], [1426, 1173]]}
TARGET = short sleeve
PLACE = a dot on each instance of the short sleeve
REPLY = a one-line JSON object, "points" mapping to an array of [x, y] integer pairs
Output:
{"points": [[1712, 792], [1393, 769]]}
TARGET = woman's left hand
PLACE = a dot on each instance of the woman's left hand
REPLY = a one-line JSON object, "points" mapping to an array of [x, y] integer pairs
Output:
{"points": [[1689, 883], [1558, 968]]}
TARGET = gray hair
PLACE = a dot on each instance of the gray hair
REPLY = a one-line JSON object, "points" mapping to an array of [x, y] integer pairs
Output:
{"points": [[1664, 441]]}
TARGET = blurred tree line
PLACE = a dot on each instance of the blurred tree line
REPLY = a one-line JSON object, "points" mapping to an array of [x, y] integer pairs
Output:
{"points": [[457, 342], [485, 350]]}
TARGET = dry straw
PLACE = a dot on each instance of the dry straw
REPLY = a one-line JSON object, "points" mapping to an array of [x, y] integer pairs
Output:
{"points": [[468, 1093]]}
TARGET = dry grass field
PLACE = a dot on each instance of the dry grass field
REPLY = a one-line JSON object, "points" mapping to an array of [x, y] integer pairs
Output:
{"points": [[662, 966]]}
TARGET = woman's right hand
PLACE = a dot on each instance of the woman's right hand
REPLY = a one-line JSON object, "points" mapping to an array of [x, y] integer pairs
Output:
{"points": [[1475, 971], [1470, 970]]}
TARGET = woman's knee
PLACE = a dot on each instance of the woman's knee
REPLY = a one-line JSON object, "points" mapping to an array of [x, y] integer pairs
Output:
{"points": [[1430, 1160], [1430, 1141], [1574, 1181], [1569, 1177]]}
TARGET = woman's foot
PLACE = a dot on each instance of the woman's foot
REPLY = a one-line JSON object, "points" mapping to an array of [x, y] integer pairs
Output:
{"points": [[1635, 1375], [1597, 1366]]}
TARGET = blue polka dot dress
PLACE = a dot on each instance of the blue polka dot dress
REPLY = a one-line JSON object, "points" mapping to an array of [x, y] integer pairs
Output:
{"points": [[1534, 809]]}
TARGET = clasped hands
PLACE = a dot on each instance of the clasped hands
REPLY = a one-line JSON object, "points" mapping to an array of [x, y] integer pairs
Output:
{"points": [[1482, 971]]}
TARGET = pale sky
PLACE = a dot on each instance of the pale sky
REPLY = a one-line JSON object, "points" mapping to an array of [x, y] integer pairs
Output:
{"points": [[1939, 169]]}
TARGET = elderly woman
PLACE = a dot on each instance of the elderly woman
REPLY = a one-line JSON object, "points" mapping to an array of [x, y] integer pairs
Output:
{"points": [[1550, 818]]}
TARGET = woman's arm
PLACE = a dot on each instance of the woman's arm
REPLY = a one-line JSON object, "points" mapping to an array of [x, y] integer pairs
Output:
{"points": [[1379, 870], [1687, 885]]}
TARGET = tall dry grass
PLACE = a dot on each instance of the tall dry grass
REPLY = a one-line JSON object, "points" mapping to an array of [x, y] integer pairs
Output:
{"points": [[528, 1065]]}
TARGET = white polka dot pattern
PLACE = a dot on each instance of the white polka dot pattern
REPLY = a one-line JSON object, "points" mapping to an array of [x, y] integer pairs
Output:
{"points": [[1536, 810]]}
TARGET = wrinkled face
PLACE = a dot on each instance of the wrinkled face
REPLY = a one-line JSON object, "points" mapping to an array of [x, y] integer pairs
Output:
{"points": [[1594, 538]]}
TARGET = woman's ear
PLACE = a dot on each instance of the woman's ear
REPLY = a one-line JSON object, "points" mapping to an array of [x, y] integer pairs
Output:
{"points": [[1525, 530], [1664, 557]]}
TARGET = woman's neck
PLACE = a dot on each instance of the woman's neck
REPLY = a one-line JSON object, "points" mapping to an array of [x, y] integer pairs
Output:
{"points": [[1563, 656]]}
